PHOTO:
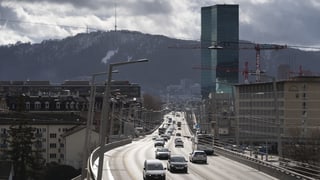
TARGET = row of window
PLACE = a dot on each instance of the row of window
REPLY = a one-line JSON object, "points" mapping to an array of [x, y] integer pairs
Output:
{"points": [[250, 104], [260, 112], [54, 145], [68, 105], [54, 155]]}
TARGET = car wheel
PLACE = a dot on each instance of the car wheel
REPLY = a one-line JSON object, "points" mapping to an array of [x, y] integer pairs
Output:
{"points": [[186, 170]]}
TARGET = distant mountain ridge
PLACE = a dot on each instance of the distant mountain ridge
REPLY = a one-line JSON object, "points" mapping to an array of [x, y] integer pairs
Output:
{"points": [[78, 57]]}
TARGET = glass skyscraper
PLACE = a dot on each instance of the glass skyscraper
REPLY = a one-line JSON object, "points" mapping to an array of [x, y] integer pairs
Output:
{"points": [[220, 67]]}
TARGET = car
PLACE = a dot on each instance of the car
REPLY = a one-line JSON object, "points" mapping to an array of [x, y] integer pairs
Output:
{"points": [[178, 134], [153, 169], [159, 143], [198, 156], [166, 137], [155, 137], [162, 153], [178, 142], [177, 163]]}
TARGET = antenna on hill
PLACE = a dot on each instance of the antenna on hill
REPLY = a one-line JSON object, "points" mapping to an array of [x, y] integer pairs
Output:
{"points": [[115, 15]]}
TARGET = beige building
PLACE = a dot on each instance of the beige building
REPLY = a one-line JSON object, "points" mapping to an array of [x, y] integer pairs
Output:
{"points": [[48, 136], [74, 149], [298, 111]]}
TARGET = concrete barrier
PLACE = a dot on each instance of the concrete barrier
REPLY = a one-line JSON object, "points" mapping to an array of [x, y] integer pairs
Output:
{"points": [[95, 154], [272, 170]]}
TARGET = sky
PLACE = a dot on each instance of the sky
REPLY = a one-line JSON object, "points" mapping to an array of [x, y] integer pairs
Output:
{"points": [[291, 22]]}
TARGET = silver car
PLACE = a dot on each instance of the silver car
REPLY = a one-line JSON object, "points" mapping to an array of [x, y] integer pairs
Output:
{"points": [[153, 169], [162, 153], [198, 156]]}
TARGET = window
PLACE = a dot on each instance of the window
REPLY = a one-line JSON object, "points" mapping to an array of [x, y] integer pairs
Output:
{"points": [[47, 105], [72, 105], [53, 135], [67, 105], [53, 145], [61, 145], [28, 105], [37, 105], [53, 155], [57, 105]]}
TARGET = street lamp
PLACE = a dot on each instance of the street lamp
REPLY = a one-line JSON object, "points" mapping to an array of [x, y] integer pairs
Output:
{"points": [[105, 122], [87, 146]]}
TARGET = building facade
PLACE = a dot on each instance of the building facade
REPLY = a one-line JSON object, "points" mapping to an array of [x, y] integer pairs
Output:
{"points": [[48, 138], [294, 107], [219, 26]]}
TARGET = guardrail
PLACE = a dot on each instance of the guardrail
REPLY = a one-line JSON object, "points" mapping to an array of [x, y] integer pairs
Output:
{"points": [[263, 166], [95, 154]]}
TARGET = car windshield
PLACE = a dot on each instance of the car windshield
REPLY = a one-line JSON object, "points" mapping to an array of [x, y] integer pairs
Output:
{"points": [[155, 166], [177, 159], [199, 153], [163, 150]]}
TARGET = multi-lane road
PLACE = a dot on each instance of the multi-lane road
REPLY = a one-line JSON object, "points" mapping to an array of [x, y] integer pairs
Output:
{"points": [[126, 162]]}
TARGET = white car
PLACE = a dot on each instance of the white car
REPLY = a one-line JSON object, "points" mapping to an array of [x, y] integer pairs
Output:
{"points": [[162, 153], [198, 156]]}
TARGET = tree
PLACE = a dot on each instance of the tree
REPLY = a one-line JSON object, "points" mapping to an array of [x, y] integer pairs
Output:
{"points": [[61, 172], [27, 162]]}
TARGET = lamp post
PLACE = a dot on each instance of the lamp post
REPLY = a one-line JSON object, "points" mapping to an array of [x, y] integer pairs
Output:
{"points": [[87, 145], [105, 122]]}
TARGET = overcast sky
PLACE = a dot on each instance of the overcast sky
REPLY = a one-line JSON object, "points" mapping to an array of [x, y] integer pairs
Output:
{"points": [[292, 22]]}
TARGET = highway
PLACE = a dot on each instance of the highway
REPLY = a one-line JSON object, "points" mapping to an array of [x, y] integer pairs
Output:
{"points": [[126, 162]]}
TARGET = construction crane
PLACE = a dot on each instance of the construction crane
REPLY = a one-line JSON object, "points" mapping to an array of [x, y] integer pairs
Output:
{"points": [[246, 45], [258, 48]]}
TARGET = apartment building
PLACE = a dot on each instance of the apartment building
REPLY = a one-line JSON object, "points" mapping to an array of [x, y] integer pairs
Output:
{"points": [[48, 137]]}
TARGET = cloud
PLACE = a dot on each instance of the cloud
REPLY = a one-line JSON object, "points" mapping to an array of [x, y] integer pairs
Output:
{"points": [[263, 21]]}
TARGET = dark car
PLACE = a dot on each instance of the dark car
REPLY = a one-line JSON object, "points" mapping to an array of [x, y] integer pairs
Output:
{"points": [[159, 143], [178, 142], [162, 153], [153, 169], [177, 163]]}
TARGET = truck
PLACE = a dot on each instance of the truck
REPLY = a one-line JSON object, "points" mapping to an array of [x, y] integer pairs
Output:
{"points": [[203, 142]]}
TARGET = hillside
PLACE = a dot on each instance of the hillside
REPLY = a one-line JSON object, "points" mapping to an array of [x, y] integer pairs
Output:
{"points": [[77, 57]]}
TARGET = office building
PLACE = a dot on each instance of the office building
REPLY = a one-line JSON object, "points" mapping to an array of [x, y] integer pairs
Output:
{"points": [[297, 111], [219, 26]]}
